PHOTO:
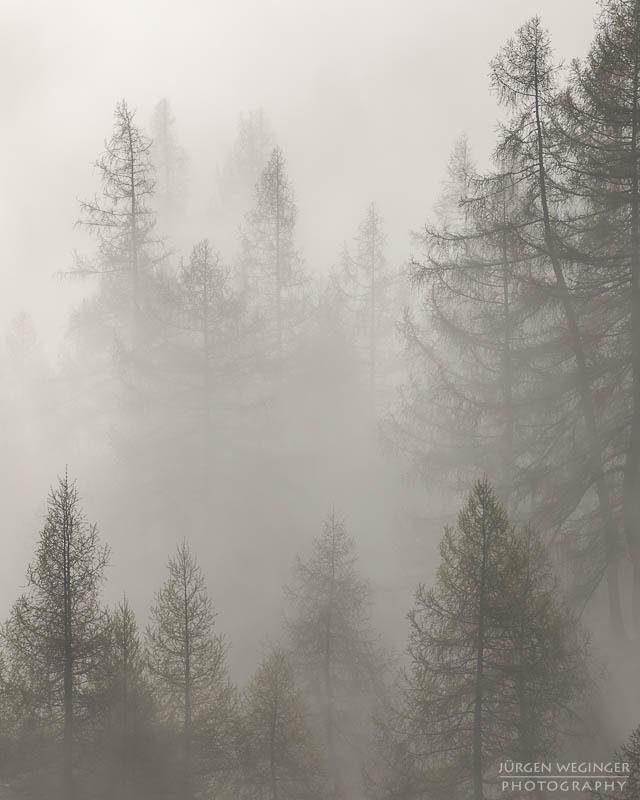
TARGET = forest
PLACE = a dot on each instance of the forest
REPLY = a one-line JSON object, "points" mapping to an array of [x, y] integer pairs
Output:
{"points": [[369, 532]]}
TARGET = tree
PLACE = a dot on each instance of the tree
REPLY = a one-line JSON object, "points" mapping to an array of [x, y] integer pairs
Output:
{"points": [[333, 646], [245, 162], [496, 664], [218, 336], [602, 110], [469, 340], [368, 285], [545, 662], [629, 754], [271, 263], [187, 662], [125, 740], [278, 756], [55, 632], [170, 162], [524, 78], [123, 222]]}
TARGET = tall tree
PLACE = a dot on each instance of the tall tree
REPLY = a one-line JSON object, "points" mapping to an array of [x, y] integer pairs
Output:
{"points": [[123, 222], [525, 79], [469, 340], [368, 285], [188, 662], [271, 262], [170, 162], [334, 647], [603, 114], [125, 724], [495, 661], [56, 630], [279, 759]]}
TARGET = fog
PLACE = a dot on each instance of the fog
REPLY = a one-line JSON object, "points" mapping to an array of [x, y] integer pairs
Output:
{"points": [[354, 91], [492, 357]]}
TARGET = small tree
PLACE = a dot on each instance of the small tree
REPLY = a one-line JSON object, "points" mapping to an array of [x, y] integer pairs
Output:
{"points": [[187, 662], [125, 724], [55, 635], [279, 759], [334, 647]]}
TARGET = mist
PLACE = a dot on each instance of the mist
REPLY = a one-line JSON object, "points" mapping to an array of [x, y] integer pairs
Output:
{"points": [[296, 296]]}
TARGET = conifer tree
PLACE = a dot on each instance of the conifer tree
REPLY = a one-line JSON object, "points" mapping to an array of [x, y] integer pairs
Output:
{"points": [[368, 285], [278, 755], [125, 735], [55, 635], [187, 660], [271, 262], [525, 80], [170, 163], [601, 116], [123, 221], [497, 664], [334, 648]]}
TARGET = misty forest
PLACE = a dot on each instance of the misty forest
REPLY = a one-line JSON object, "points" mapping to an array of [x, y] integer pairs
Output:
{"points": [[281, 526]]}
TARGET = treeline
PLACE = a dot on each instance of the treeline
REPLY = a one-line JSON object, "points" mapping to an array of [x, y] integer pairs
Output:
{"points": [[93, 706]]}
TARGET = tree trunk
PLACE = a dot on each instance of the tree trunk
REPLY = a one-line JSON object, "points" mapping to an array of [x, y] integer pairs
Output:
{"points": [[479, 677], [272, 741], [631, 486], [328, 677], [68, 653], [372, 321], [187, 699]]}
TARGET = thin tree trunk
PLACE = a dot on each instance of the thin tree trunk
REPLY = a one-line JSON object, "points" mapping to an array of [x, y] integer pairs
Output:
{"points": [[631, 487], [134, 237], [479, 677], [272, 742], [328, 678], [372, 321], [278, 266], [68, 652], [187, 698], [507, 366]]}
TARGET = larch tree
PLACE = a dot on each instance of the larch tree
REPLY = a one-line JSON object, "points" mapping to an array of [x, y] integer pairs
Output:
{"points": [[545, 661], [122, 219], [334, 648], [628, 754], [244, 164], [170, 163], [524, 78], [56, 630], [279, 759], [187, 660], [496, 662], [271, 262], [467, 338], [126, 706], [204, 385], [217, 340], [368, 285], [602, 113]]}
